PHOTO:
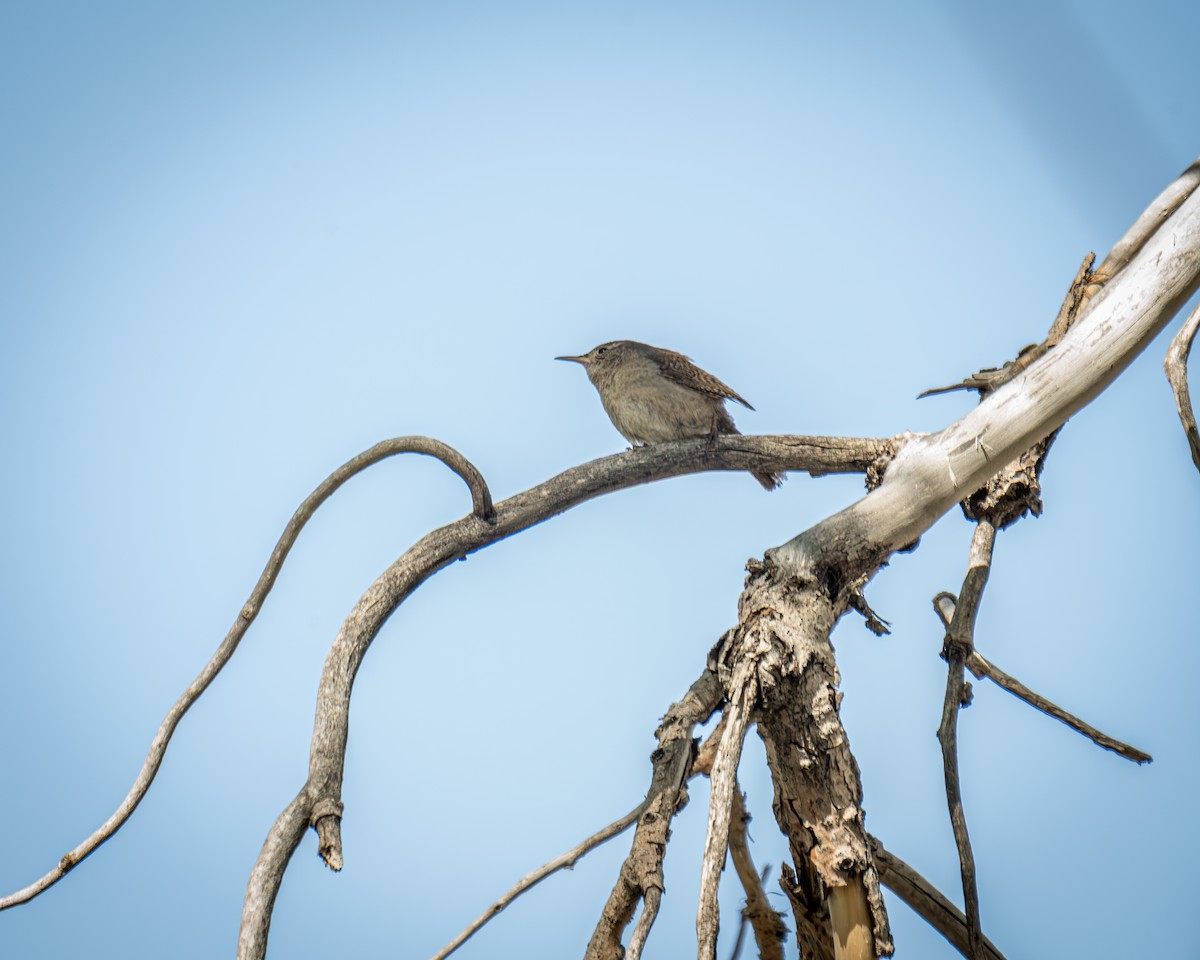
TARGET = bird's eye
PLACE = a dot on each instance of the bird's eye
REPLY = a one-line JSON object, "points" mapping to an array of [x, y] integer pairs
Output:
{"points": [[601, 350]]}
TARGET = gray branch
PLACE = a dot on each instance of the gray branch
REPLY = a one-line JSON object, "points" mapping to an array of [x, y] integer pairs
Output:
{"points": [[1176, 367]]}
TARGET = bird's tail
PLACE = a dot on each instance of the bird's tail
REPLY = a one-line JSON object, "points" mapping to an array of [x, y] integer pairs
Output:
{"points": [[769, 480]]}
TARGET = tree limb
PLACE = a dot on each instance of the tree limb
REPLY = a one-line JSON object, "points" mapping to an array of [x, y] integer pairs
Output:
{"points": [[933, 472]]}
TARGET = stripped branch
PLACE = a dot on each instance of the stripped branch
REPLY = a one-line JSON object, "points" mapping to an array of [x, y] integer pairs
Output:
{"points": [[741, 692], [770, 931], [1176, 367]]}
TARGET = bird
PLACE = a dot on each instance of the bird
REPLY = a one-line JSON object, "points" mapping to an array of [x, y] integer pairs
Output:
{"points": [[652, 395]]}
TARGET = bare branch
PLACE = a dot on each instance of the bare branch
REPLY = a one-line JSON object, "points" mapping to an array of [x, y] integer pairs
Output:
{"points": [[1176, 367], [932, 473], [741, 693], [926, 900], [572, 856], [959, 640], [783, 631], [642, 870], [482, 503], [983, 668], [770, 931], [563, 862]]}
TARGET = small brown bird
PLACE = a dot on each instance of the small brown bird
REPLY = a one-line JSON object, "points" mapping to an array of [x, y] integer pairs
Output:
{"points": [[652, 395]]}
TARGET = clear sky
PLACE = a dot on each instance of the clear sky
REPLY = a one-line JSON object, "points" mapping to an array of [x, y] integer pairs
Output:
{"points": [[241, 242]]}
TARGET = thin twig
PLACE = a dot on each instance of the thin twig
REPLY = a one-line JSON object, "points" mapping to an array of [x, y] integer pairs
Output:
{"points": [[1176, 367], [926, 900], [563, 862], [983, 668], [568, 860], [959, 640], [482, 503]]}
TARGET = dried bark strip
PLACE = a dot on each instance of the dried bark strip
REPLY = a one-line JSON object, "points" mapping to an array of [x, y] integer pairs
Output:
{"points": [[1176, 367]]}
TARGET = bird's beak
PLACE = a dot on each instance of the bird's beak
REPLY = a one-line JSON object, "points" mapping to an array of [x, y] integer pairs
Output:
{"points": [[584, 360]]}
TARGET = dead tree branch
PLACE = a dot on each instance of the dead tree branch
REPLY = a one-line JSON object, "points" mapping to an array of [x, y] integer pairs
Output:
{"points": [[741, 692], [926, 900], [959, 641], [770, 931], [1176, 367], [562, 862], [983, 668], [640, 879], [701, 765], [800, 591], [482, 509]]}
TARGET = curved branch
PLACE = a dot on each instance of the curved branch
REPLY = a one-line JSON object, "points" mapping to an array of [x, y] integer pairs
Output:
{"points": [[1176, 367], [455, 541], [482, 502]]}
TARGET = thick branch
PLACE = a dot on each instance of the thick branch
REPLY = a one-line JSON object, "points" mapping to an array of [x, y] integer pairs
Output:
{"points": [[1176, 367], [931, 473], [783, 631], [482, 503]]}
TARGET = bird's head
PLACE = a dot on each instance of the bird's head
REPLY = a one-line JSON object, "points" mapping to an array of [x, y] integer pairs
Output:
{"points": [[601, 363], [604, 357]]}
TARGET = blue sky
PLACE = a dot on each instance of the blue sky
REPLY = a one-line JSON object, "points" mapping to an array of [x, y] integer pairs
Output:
{"points": [[242, 242]]}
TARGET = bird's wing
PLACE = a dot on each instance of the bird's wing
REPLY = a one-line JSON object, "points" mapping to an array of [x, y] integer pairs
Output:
{"points": [[677, 367]]}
